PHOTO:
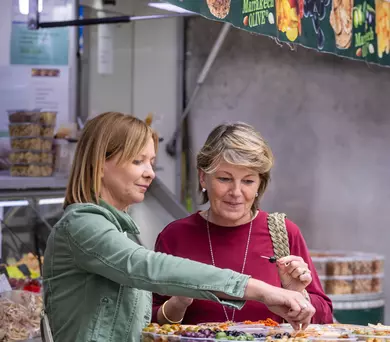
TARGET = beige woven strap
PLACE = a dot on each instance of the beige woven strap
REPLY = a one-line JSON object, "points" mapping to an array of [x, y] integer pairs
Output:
{"points": [[277, 230]]}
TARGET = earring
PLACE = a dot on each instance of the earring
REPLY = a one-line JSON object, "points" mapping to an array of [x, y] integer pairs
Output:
{"points": [[204, 190], [257, 194]]}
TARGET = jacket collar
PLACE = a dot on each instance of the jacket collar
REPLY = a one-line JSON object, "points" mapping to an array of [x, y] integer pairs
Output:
{"points": [[127, 224]]}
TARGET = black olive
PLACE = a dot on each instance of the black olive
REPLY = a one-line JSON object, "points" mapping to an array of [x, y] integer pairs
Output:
{"points": [[287, 334], [278, 336]]}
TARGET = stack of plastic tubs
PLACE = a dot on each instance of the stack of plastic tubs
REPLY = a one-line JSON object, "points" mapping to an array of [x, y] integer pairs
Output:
{"points": [[31, 134], [354, 282], [344, 273]]}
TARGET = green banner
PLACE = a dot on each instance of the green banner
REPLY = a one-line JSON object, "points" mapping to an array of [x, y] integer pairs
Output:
{"points": [[357, 29]]}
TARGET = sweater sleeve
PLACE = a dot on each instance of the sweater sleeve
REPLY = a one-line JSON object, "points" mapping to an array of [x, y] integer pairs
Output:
{"points": [[158, 299], [320, 301]]}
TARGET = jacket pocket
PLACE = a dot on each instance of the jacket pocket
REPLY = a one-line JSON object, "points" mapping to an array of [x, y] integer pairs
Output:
{"points": [[102, 318]]}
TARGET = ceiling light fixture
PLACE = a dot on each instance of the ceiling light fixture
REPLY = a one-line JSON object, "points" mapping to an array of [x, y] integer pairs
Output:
{"points": [[169, 7], [24, 6]]}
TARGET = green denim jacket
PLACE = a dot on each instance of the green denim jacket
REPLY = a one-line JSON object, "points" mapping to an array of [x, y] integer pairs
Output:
{"points": [[98, 282]]}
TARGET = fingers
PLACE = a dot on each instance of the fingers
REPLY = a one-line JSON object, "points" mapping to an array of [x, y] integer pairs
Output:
{"points": [[304, 318], [300, 313], [290, 258], [295, 308], [296, 267], [306, 278]]}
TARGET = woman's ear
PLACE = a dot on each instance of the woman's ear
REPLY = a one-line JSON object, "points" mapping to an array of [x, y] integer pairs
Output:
{"points": [[202, 178]]}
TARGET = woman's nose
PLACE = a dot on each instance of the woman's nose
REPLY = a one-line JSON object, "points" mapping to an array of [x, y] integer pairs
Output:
{"points": [[236, 189], [149, 172]]}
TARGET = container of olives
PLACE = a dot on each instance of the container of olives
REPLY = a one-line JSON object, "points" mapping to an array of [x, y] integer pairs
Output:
{"points": [[152, 337]]}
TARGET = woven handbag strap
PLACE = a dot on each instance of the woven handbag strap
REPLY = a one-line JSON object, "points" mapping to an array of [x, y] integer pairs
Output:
{"points": [[277, 230]]}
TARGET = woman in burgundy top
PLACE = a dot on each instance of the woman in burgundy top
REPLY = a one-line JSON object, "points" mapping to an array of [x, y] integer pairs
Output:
{"points": [[234, 170]]}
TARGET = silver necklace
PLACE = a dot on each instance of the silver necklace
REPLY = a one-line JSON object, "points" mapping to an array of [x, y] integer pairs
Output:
{"points": [[213, 261]]}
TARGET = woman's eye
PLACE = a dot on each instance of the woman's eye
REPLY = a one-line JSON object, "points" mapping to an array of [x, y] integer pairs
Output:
{"points": [[248, 181], [137, 162], [224, 179]]}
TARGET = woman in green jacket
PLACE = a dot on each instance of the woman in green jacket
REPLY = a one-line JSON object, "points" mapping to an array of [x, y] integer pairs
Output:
{"points": [[97, 281]]}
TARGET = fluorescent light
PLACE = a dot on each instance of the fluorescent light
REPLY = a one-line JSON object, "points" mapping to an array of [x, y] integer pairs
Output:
{"points": [[4, 204], [24, 203], [52, 201], [168, 7], [24, 6]]}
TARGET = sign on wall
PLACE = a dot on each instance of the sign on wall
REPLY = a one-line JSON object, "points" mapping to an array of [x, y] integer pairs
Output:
{"points": [[43, 46], [357, 29]]}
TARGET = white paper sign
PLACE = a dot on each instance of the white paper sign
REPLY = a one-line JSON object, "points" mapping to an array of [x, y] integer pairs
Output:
{"points": [[27, 88], [105, 48], [4, 284]]}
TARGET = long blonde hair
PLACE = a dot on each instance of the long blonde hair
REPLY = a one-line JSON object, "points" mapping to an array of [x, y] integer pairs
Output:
{"points": [[104, 137], [238, 144]]}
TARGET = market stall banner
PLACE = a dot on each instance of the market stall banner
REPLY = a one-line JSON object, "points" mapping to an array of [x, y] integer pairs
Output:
{"points": [[357, 29]]}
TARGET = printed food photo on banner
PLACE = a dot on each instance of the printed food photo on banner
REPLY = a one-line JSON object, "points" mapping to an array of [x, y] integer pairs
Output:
{"points": [[341, 22], [219, 8], [317, 10], [382, 30], [364, 29], [288, 17]]}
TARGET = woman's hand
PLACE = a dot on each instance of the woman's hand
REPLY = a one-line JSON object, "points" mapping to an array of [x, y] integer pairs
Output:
{"points": [[290, 305], [294, 273]]}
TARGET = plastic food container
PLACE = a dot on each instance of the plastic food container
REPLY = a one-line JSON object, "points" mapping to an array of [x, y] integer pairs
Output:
{"points": [[332, 339], [23, 116], [25, 156], [32, 303], [323, 281], [151, 337], [377, 283], [339, 285], [363, 264], [47, 131], [64, 152], [340, 266], [194, 339], [362, 284], [320, 264], [250, 329], [26, 143], [373, 338], [48, 118], [31, 156], [31, 170], [47, 144], [32, 143], [24, 129], [378, 264]]}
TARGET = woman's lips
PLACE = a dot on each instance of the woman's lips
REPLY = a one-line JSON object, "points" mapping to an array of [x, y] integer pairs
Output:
{"points": [[233, 204], [145, 187]]}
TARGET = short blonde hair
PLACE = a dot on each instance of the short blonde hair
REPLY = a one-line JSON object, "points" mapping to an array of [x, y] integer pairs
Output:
{"points": [[105, 136], [238, 144]]}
